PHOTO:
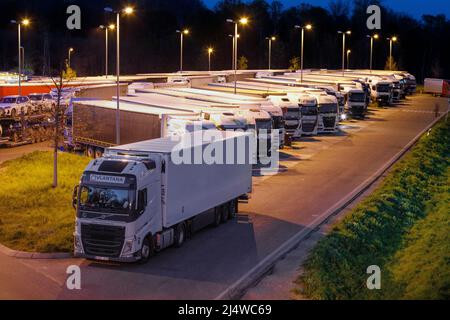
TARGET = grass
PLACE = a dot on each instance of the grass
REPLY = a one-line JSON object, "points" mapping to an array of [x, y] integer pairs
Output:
{"points": [[33, 215], [401, 227]]}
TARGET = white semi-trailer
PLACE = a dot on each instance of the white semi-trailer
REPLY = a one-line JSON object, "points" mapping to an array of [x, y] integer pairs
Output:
{"points": [[141, 198], [90, 124]]}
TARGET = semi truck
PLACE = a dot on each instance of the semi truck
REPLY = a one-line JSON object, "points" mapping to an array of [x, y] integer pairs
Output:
{"points": [[253, 113], [140, 198], [293, 105], [90, 124], [264, 103]]}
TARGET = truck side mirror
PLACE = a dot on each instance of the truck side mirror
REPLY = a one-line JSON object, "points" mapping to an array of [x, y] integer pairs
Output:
{"points": [[75, 196]]}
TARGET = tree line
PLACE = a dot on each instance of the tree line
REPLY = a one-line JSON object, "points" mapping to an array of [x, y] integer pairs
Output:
{"points": [[149, 42]]}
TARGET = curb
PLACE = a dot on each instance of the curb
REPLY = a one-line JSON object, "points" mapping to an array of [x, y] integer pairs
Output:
{"points": [[33, 255], [236, 290]]}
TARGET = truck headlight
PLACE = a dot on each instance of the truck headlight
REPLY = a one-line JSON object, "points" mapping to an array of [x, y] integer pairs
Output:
{"points": [[343, 116], [128, 246], [78, 246]]}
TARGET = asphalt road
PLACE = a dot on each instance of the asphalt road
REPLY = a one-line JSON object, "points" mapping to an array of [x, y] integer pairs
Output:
{"points": [[13, 153], [317, 173]]}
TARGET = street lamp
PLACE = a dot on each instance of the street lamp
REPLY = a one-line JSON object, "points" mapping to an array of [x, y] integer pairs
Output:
{"points": [[243, 21], [232, 53], [25, 22], [182, 34], [210, 51], [348, 58], [69, 54], [307, 27], [270, 39], [391, 40], [125, 11], [106, 28], [375, 36], [348, 32]]}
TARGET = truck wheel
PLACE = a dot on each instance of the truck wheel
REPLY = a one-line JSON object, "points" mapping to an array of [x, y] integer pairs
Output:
{"points": [[98, 153], [90, 152], [233, 209], [225, 212], [146, 250], [180, 234], [217, 216]]}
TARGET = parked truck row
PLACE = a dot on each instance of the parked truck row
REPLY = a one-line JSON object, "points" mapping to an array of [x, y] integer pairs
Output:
{"points": [[137, 198]]}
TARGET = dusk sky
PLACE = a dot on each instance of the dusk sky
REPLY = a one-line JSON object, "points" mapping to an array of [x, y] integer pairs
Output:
{"points": [[415, 8]]}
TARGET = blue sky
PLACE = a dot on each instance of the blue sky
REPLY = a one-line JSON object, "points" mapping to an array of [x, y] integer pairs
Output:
{"points": [[414, 8]]}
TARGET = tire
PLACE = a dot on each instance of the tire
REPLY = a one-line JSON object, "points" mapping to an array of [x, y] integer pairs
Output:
{"points": [[232, 213], [147, 249], [98, 153], [217, 216], [90, 152], [225, 212], [180, 235]]}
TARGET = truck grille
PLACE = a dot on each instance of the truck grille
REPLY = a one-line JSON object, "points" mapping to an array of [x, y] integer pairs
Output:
{"points": [[308, 127], [329, 122], [357, 110], [291, 126], [99, 240]]}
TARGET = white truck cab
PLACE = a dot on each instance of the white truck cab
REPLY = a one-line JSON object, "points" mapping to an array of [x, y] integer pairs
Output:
{"points": [[140, 198]]}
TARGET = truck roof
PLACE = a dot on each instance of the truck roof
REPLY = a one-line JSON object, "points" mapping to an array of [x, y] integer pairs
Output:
{"points": [[168, 144], [131, 107]]}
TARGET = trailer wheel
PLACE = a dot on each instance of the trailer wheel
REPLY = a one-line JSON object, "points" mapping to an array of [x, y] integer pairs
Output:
{"points": [[225, 212], [146, 250], [180, 234], [233, 209], [90, 152], [217, 216], [98, 153]]}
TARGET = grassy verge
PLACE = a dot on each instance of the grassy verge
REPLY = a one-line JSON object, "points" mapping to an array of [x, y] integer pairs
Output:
{"points": [[402, 227], [33, 215]]}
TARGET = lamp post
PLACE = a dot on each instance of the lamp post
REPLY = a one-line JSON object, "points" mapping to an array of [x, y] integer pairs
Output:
{"points": [[375, 36], [391, 40], [343, 48], [270, 39], [242, 21], [182, 33], [22, 49], [232, 54], [126, 11], [307, 27], [24, 22], [106, 28], [210, 51], [348, 58], [69, 54]]}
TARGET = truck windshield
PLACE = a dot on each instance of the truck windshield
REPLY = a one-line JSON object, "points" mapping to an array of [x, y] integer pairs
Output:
{"points": [[357, 97], [309, 111], [106, 199], [328, 108], [383, 88]]}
